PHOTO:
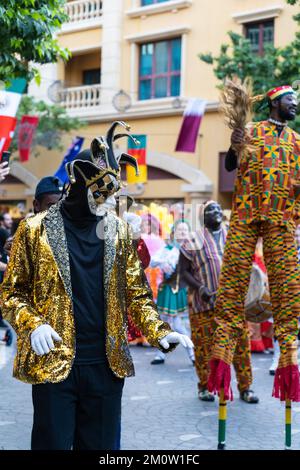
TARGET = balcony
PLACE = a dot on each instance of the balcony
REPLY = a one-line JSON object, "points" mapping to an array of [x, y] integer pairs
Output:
{"points": [[158, 7], [83, 14], [81, 101], [83, 10]]}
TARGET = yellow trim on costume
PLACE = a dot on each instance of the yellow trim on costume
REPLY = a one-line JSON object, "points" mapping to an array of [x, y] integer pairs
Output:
{"points": [[281, 92]]}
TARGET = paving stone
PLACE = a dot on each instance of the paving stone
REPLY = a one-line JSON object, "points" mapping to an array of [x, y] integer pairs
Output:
{"points": [[160, 404]]}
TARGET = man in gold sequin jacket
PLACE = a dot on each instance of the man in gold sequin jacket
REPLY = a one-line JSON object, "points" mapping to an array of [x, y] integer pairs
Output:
{"points": [[37, 290], [72, 278]]}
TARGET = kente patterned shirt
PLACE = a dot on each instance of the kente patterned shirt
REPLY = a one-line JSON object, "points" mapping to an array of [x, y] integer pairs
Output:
{"points": [[205, 253], [297, 236], [264, 184]]}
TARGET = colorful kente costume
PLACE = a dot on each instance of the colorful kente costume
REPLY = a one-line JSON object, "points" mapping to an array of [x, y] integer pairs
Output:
{"points": [[205, 251], [264, 204]]}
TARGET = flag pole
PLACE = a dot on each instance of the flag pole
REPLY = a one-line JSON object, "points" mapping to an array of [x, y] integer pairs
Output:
{"points": [[288, 424], [222, 421]]}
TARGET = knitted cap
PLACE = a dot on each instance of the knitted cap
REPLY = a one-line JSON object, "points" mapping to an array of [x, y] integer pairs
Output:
{"points": [[49, 185]]}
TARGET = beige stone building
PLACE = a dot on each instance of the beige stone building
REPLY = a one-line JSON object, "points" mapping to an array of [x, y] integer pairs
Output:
{"points": [[137, 60]]}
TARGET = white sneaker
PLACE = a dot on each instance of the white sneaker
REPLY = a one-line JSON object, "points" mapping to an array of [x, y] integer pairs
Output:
{"points": [[275, 361], [274, 366]]}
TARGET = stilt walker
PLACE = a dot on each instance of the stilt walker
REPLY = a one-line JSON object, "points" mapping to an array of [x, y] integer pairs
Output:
{"points": [[265, 204], [200, 265]]}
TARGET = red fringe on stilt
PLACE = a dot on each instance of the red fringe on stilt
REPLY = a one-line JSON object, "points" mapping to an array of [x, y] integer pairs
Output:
{"points": [[219, 378], [257, 345], [287, 383]]}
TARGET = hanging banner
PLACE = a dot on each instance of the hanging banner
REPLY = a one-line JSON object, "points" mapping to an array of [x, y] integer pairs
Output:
{"points": [[192, 118], [138, 152], [26, 132], [7, 128], [9, 102]]}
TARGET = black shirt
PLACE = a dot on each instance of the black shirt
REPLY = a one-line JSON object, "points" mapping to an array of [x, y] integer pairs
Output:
{"points": [[86, 252]]}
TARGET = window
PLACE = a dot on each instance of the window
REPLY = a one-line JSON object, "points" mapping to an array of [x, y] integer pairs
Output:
{"points": [[160, 64], [91, 77], [150, 2], [260, 34]]}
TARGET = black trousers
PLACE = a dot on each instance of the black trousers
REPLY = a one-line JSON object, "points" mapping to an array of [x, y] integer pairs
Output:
{"points": [[82, 412]]}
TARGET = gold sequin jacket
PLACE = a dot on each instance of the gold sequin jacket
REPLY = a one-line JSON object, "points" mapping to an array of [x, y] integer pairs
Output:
{"points": [[37, 290]]}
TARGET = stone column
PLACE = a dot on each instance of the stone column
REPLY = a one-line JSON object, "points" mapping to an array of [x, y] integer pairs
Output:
{"points": [[48, 76], [111, 52]]}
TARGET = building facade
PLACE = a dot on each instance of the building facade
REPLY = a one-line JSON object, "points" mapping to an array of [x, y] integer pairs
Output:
{"points": [[137, 60]]}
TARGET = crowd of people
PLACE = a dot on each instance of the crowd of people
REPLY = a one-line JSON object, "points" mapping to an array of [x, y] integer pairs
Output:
{"points": [[89, 273], [183, 271]]}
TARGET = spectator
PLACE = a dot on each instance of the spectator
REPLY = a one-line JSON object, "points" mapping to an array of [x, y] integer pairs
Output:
{"points": [[6, 223], [4, 171], [3, 264], [47, 193]]}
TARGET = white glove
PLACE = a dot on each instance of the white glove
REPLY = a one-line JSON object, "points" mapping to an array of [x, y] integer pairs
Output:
{"points": [[41, 339], [176, 338]]}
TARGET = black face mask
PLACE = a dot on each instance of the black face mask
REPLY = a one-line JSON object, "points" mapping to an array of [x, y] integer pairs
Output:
{"points": [[213, 216], [76, 205]]}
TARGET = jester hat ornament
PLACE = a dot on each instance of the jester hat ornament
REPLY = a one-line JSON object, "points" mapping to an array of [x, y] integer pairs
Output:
{"points": [[99, 168]]}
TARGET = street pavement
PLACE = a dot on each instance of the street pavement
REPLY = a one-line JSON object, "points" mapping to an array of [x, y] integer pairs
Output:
{"points": [[161, 409]]}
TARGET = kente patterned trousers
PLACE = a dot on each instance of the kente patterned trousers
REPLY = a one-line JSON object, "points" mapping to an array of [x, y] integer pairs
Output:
{"points": [[202, 329], [280, 256]]}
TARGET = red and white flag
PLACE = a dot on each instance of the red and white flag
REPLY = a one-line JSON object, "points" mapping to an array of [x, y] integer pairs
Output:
{"points": [[192, 118], [9, 102]]}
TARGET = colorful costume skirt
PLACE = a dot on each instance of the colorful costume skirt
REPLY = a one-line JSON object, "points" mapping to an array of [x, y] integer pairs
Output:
{"points": [[171, 303]]}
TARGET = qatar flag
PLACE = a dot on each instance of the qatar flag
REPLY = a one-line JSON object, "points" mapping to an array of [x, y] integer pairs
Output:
{"points": [[192, 118], [9, 102]]}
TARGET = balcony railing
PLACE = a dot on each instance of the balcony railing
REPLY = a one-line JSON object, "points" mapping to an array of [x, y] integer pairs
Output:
{"points": [[79, 97], [83, 10]]}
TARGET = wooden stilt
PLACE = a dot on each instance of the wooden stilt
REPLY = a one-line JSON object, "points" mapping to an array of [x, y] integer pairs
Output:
{"points": [[288, 424], [222, 421]]}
